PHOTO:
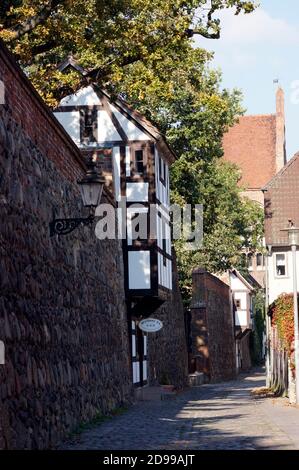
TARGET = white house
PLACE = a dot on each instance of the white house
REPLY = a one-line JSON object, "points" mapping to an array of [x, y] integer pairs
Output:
{"points": [[281, 196]]}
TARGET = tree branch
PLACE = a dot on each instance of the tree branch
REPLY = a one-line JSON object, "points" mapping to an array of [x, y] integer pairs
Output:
{"points": [[210, 24], [31, 23]]}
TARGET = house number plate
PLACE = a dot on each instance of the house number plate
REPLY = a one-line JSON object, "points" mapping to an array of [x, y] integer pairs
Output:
{"points": [[150, 325]]}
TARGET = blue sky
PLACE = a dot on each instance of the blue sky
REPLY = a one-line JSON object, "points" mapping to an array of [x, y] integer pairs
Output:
{"points": [[254, 50]]}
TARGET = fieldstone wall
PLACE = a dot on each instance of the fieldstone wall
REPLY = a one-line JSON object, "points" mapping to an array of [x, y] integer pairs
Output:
{"points": [[167, 349], [212, 327], [62, 304]]}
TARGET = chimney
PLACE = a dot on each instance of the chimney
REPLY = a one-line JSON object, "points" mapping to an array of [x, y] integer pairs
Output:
{"points": [[280, 130]]}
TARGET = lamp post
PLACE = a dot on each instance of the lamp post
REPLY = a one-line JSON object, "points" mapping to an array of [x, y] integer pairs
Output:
{"points": [[293, 233], [91, 187]]}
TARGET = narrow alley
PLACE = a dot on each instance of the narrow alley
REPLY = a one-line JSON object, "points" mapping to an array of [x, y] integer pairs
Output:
{"points": [[221, 416]]}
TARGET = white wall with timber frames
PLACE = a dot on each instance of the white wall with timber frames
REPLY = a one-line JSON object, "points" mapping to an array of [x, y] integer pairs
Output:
{"points": [[113, 128], [163, 222]]}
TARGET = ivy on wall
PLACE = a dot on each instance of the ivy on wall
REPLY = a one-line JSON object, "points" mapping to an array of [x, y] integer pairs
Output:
{"points": [[283, 318]]}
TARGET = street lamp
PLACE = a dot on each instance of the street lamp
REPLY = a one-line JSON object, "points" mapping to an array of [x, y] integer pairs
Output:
{"points": [[91, 187], [293, 233]]}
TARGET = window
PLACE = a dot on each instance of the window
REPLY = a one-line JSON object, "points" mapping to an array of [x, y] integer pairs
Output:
{"points": [[88, 125], [238, 304], [164, 246], [280, 265], [162, 170], [260, 263], [243, 260], [139, 162], [249, 262]]}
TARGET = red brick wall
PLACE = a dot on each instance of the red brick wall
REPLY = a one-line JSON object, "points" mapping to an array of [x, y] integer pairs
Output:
{"points": [[37, 120], [212, 327]]}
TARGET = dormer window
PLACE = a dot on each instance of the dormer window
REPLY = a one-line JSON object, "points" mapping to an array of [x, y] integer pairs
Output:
{"points": [[88, 125], [162, 171]]}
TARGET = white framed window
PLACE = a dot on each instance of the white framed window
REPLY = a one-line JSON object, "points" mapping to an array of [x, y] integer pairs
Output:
{"points": [[260, 261], [250, 261], [280, 265]]}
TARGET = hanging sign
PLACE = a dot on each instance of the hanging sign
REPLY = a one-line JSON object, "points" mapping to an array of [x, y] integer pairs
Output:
{"points": [[150, 325]]}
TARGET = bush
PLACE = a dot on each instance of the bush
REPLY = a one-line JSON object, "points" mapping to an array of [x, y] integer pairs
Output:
{"points": [[282, 311]]}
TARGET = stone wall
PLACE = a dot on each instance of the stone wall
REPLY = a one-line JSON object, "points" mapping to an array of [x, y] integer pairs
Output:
{"points": [[212, 327], [167, 349], [62, 303]]}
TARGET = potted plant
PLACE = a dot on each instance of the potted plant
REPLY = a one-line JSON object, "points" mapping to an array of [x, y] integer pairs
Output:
{"points": [[165, 382]]}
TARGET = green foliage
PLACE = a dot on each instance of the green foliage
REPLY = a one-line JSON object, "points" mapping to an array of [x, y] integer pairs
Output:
{"points": [[96, 421], [105, 36], [259, 327], [143, 50]]}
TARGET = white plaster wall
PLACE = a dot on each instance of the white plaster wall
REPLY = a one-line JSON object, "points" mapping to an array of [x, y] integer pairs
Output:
{"points": [[241, 318], [164, 272], [236, 283], [242, 296], [71, 123], [136, 372], [116, 172], [106, 129], [139, 270], [130, 129], [280, 285], [84, 97], [137, 192], [144, 370], [131, 211]]}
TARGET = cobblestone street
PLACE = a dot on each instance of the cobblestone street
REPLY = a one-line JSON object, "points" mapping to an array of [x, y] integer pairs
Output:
{"points": [[218, 416]]}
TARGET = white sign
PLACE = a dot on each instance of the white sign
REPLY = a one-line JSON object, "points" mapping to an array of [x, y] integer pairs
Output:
{"points": [[150, 325]]}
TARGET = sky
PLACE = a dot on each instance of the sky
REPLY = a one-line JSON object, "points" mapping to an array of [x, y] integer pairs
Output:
{"points": [[256, 49]]}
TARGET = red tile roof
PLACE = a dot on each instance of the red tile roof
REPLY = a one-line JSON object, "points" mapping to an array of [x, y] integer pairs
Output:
{"points": [[282, 203], [251, 144]]}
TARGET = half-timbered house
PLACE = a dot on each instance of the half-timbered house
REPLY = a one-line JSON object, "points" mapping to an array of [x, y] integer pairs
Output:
{"points": [[135, 160]]}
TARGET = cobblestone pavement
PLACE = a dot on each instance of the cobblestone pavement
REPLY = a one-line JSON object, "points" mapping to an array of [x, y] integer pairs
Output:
{"points": [[213, 416]]}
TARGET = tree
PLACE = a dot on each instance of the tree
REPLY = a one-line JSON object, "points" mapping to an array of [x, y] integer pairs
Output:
{"points": [[143, 50], [105, 36]]}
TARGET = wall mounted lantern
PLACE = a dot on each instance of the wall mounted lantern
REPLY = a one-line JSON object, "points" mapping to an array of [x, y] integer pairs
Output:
{"points": [[91, 187]]}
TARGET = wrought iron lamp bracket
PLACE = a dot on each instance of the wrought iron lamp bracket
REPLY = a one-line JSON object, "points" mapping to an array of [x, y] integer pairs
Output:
{"points": [[65, 226]]}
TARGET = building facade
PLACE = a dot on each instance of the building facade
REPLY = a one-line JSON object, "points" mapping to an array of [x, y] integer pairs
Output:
{"points": [[243, 299], [243, 295], [135, 159], [256, 144], [281, 206], [213, 351]]}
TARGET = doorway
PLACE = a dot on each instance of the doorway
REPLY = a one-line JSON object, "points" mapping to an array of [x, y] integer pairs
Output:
{"points": [[139, 355]]}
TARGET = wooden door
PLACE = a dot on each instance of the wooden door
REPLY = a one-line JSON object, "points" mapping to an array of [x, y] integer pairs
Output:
{"points": [[139, 356]]}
